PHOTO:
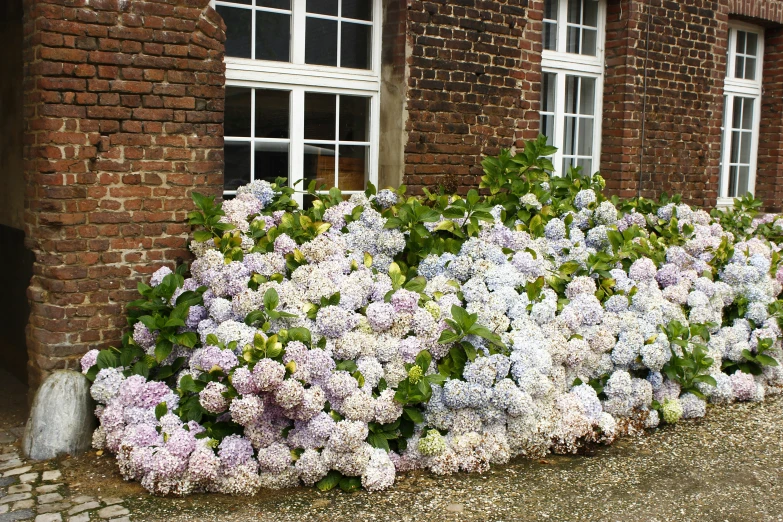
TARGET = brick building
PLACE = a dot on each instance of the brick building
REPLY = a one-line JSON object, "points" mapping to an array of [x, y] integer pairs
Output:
{"points": [[114, 111]]}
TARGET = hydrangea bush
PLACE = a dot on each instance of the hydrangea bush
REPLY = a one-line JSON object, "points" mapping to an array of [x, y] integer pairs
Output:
{"points": [[366, 336]]}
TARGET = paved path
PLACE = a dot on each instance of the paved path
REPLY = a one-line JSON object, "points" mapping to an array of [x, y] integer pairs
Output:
{"points": [[726, 467]]}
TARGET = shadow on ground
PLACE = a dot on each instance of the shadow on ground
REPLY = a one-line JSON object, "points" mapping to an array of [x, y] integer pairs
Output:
{"points": [[728, 466]]}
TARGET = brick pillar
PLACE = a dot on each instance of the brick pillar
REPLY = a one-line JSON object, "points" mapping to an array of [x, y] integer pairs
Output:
{"points": [[769, 173], [124, 109], [686, 64], [474, 71]]}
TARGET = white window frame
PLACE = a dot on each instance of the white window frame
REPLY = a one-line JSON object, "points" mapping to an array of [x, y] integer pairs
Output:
{"points": [[297, 77], [733, 88], [562, 64]]}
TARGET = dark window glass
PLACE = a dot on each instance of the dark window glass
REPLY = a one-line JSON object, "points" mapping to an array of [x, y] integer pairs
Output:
{"points": [[277, 4], [354, 114], [550, 9], [355, 46], [271, 161], [550, 36], [272, 113], [326, 7], [319, 166], [357, 9], [549, 90], [238, 30], [273, 36], [353, 167], [320, 116], [237, 115], [244, 2], [321, 41], [237, 165]]}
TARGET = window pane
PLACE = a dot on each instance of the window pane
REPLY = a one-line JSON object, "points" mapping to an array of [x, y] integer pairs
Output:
{"points": [[586, 164], [354, 116], [743, 178], [237, 115], [271, 161], [752, 42], [244, 2], [320, 116], [549, 92], [550, 36], [569, 140], [277, 4], [735, 143], [550, 9], [357, 9], [327, 7], [237, 165], [321, 41], [739, 67], [741, 42], [353, 167], [750, 69], [567, 162], [572, 40], [732, 190], [238, 30], [589, 37], [745, 148], [574, 11], [590, 14], [273, 36], [585, 147], [572, 84], [737, 116], [272, 114], [747, 113], [319, 166], [587, 96], [355, 46], [548, 128]]}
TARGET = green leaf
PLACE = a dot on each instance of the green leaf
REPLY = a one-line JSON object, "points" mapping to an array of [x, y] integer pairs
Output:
{"points": [[161, 410], [329, 481], [271, 299], [187, 339], [199, 236], [413, 415], [766, 360], [107, 359], [423, 360], [447, 337], [349, 484], [300, 334], [163, 349]]}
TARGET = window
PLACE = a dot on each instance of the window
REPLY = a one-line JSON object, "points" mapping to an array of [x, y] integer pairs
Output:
{"points": [[302, 88], [741, 112], [572, 81]]}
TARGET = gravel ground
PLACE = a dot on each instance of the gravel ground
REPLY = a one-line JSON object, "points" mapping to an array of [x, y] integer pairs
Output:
{"points": [[726, 467]]}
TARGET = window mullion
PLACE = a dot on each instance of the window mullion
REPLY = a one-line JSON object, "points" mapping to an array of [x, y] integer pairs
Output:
{"points": [[252, 134], [728, 136], [559, 119], [296, 159], [337, 140], [299, 20]]}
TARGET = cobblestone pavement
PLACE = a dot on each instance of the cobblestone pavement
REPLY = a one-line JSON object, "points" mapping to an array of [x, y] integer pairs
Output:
{"points": [[35, 491], [726, 467]]}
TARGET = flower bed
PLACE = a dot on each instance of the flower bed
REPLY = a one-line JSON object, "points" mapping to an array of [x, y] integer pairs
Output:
{"points": [[359, 338]]}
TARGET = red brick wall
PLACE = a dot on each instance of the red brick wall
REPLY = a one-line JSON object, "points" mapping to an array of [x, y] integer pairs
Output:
{"points": [[474, 70], [769, 176], [686, 66], [123, 106]]}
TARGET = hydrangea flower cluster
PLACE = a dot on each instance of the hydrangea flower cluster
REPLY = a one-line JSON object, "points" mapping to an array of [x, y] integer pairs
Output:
{"points": [[305, 342]]}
